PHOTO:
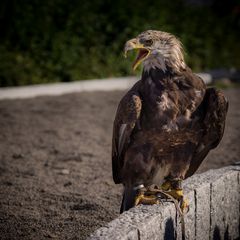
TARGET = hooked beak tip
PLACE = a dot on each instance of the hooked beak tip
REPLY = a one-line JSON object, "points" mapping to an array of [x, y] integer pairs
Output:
{"points": [[131, 44]]}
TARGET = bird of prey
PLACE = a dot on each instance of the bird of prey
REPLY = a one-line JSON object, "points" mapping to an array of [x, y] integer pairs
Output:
{"points": [[167, 123]]}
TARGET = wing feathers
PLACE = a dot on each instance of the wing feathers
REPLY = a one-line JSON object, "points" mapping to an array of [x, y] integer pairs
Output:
{"points": [[215, 108], [127, 116], [122, 137]]}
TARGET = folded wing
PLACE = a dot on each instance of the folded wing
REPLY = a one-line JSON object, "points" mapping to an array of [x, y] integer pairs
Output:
{"points": [[214, 109], [126, 121]]}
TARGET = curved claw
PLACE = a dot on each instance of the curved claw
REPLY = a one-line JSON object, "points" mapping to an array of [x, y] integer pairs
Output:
{"points": [[184, 205]]}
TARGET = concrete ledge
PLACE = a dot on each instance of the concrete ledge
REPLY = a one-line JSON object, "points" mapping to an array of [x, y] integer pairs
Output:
{"points": [[52, 89], [214, 212], [78, 86]]}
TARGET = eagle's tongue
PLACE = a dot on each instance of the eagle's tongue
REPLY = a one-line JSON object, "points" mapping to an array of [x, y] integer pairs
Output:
{"points": [[141, 54]]}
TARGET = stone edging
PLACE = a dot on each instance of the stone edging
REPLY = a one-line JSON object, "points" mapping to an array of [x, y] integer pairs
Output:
{"points": [[214, 212]]}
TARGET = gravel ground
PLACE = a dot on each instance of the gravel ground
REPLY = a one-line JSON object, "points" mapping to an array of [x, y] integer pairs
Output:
{"points": [[55, 165]]}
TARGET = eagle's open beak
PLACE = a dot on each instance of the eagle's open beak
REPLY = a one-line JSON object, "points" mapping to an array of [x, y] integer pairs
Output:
{"points": [[142, 53]]}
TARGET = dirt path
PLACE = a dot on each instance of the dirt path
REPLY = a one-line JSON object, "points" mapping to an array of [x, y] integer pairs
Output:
{"points": [[55, 166]]}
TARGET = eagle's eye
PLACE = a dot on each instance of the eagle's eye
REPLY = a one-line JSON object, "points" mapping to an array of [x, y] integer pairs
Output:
{"points": [[148, 42]]}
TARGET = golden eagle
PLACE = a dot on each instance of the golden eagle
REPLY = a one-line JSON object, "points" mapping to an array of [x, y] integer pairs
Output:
{"points": [[166, 123]]}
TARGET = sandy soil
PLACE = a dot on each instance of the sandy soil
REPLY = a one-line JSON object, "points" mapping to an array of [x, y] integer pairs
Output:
{"points": [[55, 165]]}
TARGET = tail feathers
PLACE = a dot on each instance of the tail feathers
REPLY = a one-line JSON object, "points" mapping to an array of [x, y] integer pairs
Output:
{"points": [[128, 199]]}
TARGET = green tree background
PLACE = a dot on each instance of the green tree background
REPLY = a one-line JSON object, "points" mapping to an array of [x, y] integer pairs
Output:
{"points": [[60, 40]]}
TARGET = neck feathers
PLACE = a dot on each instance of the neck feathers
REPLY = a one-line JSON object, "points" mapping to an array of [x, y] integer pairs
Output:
{"points": [[156, 75]]}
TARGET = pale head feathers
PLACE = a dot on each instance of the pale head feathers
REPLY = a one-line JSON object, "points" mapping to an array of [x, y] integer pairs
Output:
{"points": [[165, 51]]}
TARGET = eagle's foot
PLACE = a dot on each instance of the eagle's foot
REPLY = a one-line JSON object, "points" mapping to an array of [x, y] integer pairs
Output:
{"points": [[174, 189], [145, 198], [155, 195]]}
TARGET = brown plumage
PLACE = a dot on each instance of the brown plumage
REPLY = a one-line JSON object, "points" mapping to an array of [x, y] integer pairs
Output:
{"points": [[167, 122]]}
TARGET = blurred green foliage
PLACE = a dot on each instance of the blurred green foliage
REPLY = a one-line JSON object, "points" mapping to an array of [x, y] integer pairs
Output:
{"points": [[59, 40]]}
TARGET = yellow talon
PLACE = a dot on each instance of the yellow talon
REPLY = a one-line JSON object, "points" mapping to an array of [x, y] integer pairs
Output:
{"points": [[177, 194], [166, 186], [147, 200], [184, 205], [138, 198]]}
